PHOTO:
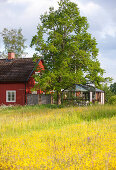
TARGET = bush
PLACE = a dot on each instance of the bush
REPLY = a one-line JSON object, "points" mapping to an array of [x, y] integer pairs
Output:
{"points": [[112, 100]]}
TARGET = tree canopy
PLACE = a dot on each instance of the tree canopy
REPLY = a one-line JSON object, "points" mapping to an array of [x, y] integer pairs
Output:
{"points": [[69, 51], [13, 41]]}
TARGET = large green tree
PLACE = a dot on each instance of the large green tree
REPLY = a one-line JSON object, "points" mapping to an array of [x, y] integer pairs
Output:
{"points": [[69, 51], [14, 41]]}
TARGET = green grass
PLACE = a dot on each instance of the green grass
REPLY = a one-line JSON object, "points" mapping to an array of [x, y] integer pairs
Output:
{"points": [[21, 120], [98, 112]]}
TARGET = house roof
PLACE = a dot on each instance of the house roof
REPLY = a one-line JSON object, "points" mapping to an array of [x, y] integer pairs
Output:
{"points": [[77, 88], [80, 88], [91, 88], [98, 90], [16, 70], [83, 88]]}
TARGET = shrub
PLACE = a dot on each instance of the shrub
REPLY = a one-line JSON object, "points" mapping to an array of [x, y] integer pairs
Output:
{"points": [[112, 100]]}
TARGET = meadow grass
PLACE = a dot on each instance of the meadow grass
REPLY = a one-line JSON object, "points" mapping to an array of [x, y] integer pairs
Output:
{"points": [[51, 137]]}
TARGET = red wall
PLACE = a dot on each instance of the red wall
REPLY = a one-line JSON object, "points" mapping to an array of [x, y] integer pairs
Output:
{"points": [[20, 93], [31, 82], [40, 66]]}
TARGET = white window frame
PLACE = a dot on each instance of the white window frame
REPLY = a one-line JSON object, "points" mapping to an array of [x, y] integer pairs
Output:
{"points": [[34, 92], [11, 91], [37, 73]]}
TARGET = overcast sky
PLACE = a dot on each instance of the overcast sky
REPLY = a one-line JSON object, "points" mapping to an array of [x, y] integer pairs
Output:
{"points": [[101, 15]]}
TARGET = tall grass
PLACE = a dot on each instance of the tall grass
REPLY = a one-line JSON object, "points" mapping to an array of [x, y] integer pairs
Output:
{"points": [[98, 112], [19, 120], [51, 137]]}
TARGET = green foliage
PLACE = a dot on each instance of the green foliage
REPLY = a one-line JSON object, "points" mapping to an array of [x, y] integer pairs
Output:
{"points": [[13, 41], [113, 88], [70, 52], [112, 100]]}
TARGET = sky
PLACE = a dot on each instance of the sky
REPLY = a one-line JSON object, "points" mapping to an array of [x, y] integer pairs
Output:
{"points": [[101, 16]]}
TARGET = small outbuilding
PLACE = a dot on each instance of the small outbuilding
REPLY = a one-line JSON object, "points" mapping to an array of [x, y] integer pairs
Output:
{"points": [[83, 95]]}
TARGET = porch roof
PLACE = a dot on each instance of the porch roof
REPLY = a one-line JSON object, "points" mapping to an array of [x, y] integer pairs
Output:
{"points": [[83, 88], [80, 88]]}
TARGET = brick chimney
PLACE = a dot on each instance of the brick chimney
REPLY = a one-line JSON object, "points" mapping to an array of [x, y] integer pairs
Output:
{"points": [[11, 55]]}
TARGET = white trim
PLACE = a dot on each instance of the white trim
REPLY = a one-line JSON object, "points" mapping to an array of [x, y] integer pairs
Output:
{"points": [[90, 96], [102, 98], [34, 92], [37, 73], [14, 96]]}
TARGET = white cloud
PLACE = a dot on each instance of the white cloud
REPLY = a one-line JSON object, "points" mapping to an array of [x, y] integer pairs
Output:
{"points": [[109, 65], [100, 20], [18, 1], [110, 30], [90, 8], [32, 3]]}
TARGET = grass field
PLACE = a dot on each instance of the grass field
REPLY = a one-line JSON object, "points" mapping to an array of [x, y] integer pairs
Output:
{"points": [[48, 137]]}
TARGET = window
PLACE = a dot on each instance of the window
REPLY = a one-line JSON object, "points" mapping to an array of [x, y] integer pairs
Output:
{"points": [[34, 92], [11, 96], [37, 73]]}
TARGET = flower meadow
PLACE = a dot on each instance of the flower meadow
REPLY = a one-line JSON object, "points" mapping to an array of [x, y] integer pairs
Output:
{"points": [[36, 137]]}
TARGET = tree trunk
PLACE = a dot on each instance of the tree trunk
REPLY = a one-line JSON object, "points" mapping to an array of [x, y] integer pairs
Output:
{"points": [[58, 98]]}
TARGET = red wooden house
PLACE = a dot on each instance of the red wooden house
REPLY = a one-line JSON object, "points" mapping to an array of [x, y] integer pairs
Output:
{"points": [[16, 79]]}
